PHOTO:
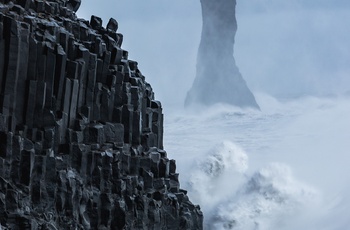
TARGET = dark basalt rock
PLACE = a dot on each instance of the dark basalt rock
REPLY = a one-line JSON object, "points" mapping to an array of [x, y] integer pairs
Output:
{"points": [[218, 79], [81, 134]]}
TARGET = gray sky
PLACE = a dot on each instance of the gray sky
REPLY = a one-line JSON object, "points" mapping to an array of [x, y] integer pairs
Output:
{"points": [[283, 48]]}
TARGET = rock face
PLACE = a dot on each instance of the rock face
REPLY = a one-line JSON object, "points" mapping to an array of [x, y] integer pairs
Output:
{"points": [[80, 130], [218, 79]]}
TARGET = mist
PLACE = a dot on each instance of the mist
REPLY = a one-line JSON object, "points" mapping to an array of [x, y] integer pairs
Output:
{"points": [[295, 51], [285, 167], [285, 49]]}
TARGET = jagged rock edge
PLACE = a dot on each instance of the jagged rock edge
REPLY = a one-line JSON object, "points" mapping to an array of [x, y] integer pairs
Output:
{"points": [[81, 134]]}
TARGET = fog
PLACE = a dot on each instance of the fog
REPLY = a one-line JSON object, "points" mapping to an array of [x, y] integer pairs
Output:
{"points": [[283, 48], [295, 52], [284, 167]]}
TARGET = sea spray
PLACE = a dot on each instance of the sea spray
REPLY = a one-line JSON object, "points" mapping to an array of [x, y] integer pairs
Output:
{"points": [[307, 138], [265, 201], [233, 199], [223, 167]]}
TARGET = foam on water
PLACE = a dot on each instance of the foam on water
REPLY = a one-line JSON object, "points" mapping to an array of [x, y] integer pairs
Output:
{"points": [[224, 166], [234, 200], [283, 168]]}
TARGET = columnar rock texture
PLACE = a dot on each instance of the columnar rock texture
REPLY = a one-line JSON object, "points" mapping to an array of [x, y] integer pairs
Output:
{"points": [[218, 79], [80, 130]]}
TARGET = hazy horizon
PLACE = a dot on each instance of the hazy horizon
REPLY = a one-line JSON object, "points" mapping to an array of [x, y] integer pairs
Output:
{"points": [[285, 49]]}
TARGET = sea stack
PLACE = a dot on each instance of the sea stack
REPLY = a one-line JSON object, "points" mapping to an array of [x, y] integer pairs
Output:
{"points": [[218, 79]]}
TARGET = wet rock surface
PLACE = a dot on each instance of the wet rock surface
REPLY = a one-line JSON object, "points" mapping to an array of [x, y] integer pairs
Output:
{"points": [[81, 134]]}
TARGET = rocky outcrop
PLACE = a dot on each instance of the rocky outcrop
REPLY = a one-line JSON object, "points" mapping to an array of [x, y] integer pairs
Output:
{"points": [[81, 134], [218, 79]]}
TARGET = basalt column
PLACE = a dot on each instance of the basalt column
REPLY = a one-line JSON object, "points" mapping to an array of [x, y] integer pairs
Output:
{"points": [[81, 132], [218, 79]]}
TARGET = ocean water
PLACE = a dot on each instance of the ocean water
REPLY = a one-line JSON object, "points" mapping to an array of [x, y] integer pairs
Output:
{"points": [[284, 167]]}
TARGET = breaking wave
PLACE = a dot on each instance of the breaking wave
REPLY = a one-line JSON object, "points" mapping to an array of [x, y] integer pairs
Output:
{"points": [[284, 168], [235, 200]]}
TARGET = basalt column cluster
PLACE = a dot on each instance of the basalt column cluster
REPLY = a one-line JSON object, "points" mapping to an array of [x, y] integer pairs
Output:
{"points": [[80, 130]]}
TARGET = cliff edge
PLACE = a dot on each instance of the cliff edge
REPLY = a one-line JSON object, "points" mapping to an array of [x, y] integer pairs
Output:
{"points": [[81, 134]]}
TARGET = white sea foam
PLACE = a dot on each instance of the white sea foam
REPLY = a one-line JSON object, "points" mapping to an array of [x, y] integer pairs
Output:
{"points": [[264, 202], [296, 51], [283, 168], [222, 168], [233, 200]]}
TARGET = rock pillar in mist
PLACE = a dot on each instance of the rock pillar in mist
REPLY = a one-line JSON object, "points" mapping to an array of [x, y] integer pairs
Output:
{"points": [[218, 79]]}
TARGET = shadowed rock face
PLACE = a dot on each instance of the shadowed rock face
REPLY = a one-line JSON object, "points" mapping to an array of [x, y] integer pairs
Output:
{"points": [[81, 134], [218, 79]]}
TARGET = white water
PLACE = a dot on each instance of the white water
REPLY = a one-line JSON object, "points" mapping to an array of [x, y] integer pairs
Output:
{"points": [[286, 167]]}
